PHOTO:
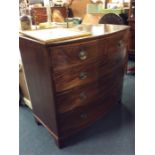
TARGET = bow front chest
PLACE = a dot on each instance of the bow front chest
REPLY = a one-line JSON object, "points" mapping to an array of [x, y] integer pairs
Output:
{"points": [[74, 82]]}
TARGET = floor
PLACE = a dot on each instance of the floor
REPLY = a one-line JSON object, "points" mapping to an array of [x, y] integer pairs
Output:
{"points": [[112, 135]]}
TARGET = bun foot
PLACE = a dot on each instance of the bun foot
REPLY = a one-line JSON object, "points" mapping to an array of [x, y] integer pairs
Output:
{"points": [[37, 122], [60, 143], [120, 102]]}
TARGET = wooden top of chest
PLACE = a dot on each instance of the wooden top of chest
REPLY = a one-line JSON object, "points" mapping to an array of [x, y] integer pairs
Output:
{"points": [[78, 33]]}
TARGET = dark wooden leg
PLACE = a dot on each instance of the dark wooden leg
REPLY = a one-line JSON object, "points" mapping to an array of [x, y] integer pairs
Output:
{"points": [[120, 101], [37, 122], [60, 143]]}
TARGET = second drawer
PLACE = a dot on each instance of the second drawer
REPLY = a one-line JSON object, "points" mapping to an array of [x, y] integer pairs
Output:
{"points": [[75, 76]]}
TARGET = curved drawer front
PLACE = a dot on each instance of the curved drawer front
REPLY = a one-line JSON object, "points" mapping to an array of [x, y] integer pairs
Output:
{"points": [[78, 97], [88, 94], [67, 56], [76, 76], [75, 120], [116, 46]]}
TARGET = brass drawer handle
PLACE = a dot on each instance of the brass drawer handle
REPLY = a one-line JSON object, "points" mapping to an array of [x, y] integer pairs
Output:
{"points": [[83, 75], [83, 116], [83, 55], [83, 96], [120, 43]]}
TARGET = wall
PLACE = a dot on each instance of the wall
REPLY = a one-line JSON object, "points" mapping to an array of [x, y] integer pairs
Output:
{"points": [[79, 7]]}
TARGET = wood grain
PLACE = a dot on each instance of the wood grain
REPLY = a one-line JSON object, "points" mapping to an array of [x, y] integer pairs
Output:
{"points": [[67, 93], [78, 119], [63, 57], [75, 76], [35, 61]]}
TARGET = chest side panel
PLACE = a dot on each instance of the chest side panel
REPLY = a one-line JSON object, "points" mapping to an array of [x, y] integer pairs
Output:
{"points": [[35, 60]]}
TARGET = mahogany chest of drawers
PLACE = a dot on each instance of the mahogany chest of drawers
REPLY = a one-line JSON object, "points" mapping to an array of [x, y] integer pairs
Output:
{"points": [[75, 82]]}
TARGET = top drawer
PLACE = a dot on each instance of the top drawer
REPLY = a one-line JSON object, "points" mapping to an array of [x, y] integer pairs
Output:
{"points": [[117, 45], [72, 55]]}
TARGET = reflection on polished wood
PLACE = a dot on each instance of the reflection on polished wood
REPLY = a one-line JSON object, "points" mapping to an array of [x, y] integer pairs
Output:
{"points": [[73, 83]]}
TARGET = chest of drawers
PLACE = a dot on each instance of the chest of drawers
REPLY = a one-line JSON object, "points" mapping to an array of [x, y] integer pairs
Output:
{"points": [[73, 83]]}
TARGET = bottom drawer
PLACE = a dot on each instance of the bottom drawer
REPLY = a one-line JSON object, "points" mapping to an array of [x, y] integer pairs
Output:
{"points": [[75, 120]]}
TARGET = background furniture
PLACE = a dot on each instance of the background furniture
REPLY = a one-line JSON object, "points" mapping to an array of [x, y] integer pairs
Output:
{"points": [[111, 18], [131, 22], [79, 7], [34, 2], [73, 83], [91, 19], [39, 15]]}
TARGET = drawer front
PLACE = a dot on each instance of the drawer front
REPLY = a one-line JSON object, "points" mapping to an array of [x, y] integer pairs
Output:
{"points": [[78, 97], [66, 56], [88, 94], [116, 43], [75, 120], [117, 50], [76, 76]]}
